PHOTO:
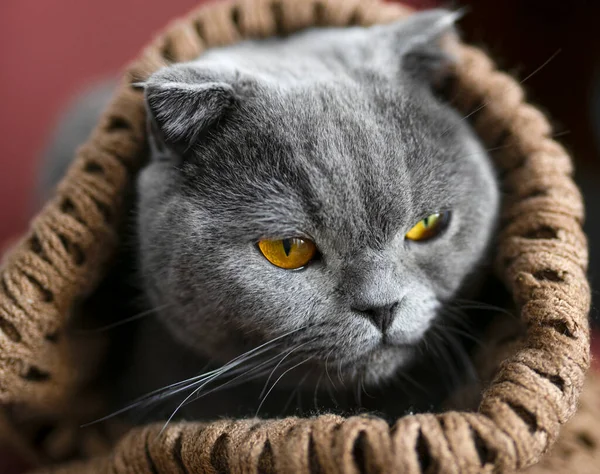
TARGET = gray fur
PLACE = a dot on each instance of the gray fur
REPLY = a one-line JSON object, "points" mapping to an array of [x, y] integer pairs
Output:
{"points": [[333, 135]]}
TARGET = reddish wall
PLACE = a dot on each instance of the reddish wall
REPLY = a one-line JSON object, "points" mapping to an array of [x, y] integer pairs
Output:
{"points": [[49, 49]]}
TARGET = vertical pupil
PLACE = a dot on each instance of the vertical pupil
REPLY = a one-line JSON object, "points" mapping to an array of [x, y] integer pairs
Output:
{"points": [[426, 222], [287, 246]]}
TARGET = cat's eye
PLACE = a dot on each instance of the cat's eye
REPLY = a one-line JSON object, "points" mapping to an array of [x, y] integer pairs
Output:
{"points": [[289, 254], [429, 227]]}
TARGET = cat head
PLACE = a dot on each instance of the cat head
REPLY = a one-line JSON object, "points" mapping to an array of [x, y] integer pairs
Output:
{"points": [[326, 151]]}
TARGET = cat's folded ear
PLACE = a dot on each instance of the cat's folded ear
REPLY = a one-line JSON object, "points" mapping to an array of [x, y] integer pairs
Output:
{"points": [[422, 43], [183, 102]]}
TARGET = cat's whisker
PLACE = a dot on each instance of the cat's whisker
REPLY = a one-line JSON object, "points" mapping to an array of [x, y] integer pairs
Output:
{"points": [[130, 319], [184, 402], [230, 365], [202, 379], [244, 374], [277, 366], [191, 381], [487, 308], [439, 359], [457, 316], [223, 370], [447, 339], [460, 325], [463, 307], [327, 369], [161, 394], [462, 354], [339, 373], [358, 393], [140, 402], [267, 346], [485, 104], [364, 388], [230, 383], [465, 118], [412, 381], [278, 338], [506, 146], [474, 111], [542, 66], [315, 396], [240, 372], [276, 381], [186, 399], [450, 329], [478, 304], [331, 397], [294, 392]]}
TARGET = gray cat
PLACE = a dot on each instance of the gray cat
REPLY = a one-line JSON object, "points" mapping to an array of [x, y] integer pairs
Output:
{"points": [[310, 208]]}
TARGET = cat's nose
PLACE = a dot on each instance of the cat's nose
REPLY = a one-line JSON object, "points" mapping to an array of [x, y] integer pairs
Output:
{"points": [[381, 316]]}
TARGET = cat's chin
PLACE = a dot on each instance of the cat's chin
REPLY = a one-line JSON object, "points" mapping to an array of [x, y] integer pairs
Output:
{"points": [[380, 365]]}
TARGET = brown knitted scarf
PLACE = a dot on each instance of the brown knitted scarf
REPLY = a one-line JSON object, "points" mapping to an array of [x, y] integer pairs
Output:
{"points": [[541, 258]]}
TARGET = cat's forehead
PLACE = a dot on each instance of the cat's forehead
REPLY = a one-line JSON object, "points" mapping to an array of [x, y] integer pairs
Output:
{"points": [[377, 134], [336, 158]]}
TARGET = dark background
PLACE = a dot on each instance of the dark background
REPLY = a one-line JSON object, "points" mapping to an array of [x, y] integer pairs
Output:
{"points": [[50, 49], [555, 47]]}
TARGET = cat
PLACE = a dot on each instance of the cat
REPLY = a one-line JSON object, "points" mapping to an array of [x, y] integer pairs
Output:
{"points": [[310, 211]]}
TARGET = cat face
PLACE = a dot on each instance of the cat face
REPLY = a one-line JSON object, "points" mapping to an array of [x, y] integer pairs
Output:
{"points": [[333, 137]]}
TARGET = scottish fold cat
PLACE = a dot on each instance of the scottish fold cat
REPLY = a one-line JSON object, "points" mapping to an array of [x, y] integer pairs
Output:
{"points": [[310, 211]]}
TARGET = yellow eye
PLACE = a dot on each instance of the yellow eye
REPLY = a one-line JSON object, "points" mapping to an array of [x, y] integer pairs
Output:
{"points": [[289, 254], [429, 227]]}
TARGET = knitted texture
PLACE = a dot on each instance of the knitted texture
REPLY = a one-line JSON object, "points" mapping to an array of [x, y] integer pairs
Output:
{"points": [[541, 258]]}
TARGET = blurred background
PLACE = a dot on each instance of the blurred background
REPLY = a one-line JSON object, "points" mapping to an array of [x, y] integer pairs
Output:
{"points": [[52, 49]]}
